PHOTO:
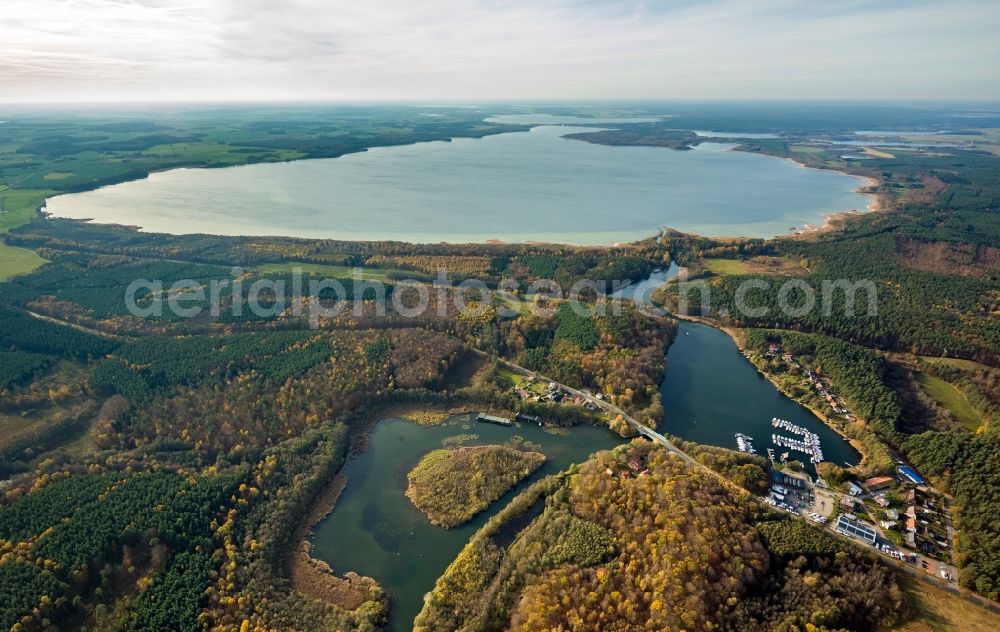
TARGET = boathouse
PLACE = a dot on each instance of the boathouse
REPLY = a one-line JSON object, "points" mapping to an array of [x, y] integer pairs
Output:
{"points": [[492, 419]]}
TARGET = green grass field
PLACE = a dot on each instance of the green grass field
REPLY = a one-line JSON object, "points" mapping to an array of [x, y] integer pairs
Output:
{"points": [[508, 377], [336, 272], [950, 398], [513, 303], [725, 266], [759, 265], [958, 363], [15, 261], [19, 207]]}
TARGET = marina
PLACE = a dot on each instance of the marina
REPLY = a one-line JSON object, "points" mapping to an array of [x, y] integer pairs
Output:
{"points": [[703, 362], [745, 443], [809, 443]]}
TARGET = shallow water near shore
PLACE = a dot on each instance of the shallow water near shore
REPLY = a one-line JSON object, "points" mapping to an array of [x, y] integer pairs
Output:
{"points": [[376, 531], [709, 393], [515, 187]]}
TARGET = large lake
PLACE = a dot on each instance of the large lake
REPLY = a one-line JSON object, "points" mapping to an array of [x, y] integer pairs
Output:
{"points": [[514, 187]]}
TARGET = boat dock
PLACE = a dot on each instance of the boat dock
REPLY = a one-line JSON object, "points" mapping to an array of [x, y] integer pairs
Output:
{"points": [[492, 419], [808, 444], [745, 443]]}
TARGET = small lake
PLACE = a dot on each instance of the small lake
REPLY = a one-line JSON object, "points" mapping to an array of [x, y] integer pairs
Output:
{"points": [[376, 531], [562, 119], [642, 291], [516, 187], [748, 135], [710, 392]]}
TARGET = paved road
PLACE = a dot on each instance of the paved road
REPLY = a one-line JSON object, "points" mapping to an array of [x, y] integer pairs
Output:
{"points": [[612, 410], [651, 434]]}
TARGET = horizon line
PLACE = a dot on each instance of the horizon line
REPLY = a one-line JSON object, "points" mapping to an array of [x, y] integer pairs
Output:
{"points": [[471, 102]]}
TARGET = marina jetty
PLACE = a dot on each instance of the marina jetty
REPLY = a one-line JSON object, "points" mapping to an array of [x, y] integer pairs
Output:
{"points": [[493, 419], [745, 443], [809, 442]]}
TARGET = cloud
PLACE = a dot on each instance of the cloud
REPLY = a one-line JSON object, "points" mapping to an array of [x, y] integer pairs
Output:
{"points": [[496, 49]]}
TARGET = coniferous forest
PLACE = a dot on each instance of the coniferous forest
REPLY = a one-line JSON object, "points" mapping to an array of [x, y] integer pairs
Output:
{"points": [[163, 472]]}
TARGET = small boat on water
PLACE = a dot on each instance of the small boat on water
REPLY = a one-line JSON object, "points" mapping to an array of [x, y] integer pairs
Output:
{"points": [[808, 444], [745, 443]]}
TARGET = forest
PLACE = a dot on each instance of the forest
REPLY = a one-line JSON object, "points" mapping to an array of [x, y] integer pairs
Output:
{"points": [[930, 255], [618, 353], [607, 547], [914, 311], [965, 466], [452, 485], [162, 466], [171, 486]]}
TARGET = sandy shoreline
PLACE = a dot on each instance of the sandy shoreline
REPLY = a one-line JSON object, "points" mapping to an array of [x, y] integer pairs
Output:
{"points": [[834, 221], [490, 241]]}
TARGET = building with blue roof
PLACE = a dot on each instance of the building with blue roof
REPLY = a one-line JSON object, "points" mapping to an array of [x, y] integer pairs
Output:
{"points": [[911, 475]]}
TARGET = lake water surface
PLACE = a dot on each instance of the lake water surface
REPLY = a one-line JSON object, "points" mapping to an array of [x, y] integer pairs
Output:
{"points": [[376, 531], [709, 393], [514, 187]]}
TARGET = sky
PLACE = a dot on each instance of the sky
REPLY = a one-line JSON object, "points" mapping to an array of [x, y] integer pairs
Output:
{"points": [[476, 50]]}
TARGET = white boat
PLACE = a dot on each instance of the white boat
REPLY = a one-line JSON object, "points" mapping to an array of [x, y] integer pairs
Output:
{"points": [[808, 444], [745, 443]]}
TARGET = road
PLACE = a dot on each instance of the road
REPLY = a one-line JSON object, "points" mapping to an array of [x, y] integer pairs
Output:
{"points": [[924, 565], [649, 433], [78, 327], [613, 411]]}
